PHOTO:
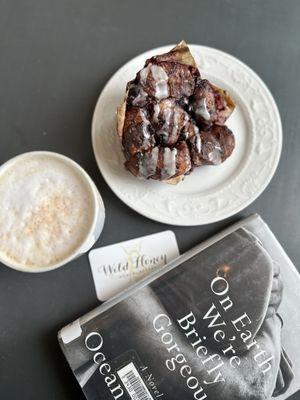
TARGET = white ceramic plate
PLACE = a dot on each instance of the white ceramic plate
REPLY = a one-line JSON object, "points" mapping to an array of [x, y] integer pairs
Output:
{"points": [[209, 193]]}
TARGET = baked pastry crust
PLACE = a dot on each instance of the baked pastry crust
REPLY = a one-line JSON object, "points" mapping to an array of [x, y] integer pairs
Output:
{"points": [[172, 120]]}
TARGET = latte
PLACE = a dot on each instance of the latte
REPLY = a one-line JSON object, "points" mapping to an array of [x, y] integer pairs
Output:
{"points": [[47, 209]]}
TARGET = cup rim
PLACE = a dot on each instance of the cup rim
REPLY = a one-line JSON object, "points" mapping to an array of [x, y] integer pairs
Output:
{"points": [[95, 195]]}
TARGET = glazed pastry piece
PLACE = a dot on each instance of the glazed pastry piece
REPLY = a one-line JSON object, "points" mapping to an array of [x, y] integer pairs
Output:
{"points": [[137, 131], [172, 120], [210, 104], [213, 146], [171, 123], [161, 163], [173, 74]]}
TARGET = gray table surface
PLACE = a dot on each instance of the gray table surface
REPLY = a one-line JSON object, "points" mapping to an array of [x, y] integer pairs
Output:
{"points": [[55, 58]]}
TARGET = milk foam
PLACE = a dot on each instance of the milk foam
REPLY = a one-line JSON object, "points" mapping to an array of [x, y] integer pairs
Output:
{"points": [[46, 210]]}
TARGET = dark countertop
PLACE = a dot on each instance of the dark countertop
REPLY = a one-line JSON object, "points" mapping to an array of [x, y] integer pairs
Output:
{"points": [[56, 57]]}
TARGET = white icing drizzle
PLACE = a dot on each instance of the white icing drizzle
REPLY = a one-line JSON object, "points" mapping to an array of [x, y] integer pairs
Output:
{"points": [[170, 117], [202, 109], [142, 96], [215, 156], [175, 122], [145, 126], [160, 78], [167, 116], [144, 74], [156, 112], [197, 142], [186, 119], [147, 166], [190, 131], [186, 126], [169, 163]]}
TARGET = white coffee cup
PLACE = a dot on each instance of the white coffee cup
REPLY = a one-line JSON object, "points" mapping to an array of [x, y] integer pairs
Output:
{"points": [[43, 195]]}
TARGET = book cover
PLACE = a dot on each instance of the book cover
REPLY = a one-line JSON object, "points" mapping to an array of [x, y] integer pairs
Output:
{"points": [[219, 322]]}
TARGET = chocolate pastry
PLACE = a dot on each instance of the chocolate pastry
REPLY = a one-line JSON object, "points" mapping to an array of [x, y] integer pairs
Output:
{"points": [[210, 104], [211, 147], [172, 120]]}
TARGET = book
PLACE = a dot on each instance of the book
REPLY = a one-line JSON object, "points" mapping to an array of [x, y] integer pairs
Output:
{"points": [[219, 322]]}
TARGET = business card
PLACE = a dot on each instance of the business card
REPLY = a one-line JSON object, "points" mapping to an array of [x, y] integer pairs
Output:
{"points": [[120, 265]]}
